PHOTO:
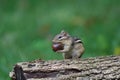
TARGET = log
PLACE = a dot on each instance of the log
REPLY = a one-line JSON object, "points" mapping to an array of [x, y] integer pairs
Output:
{"points": [[99, 68]]}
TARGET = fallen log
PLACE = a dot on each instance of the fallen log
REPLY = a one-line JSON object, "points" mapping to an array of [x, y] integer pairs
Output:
{"points": [[99, 68]]}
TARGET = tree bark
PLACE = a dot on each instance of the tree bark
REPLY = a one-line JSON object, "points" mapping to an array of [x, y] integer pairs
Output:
{"points": [[100, 68]]}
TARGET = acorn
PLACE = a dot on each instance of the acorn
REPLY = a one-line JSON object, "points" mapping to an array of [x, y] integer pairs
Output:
{"points": [[57, 46]]}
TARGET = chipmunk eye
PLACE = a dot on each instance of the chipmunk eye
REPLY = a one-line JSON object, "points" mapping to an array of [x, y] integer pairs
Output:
{"points": [[60, 37]]}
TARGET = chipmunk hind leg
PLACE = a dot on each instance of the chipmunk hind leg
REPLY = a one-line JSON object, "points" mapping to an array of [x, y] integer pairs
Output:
{"points": [[67, 56], [77, 54]]}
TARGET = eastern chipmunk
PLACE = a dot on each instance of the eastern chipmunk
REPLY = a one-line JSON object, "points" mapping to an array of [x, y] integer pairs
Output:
{"points": [[72, 47]]}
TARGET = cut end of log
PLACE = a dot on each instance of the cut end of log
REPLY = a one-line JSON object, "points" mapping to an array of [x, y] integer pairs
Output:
{"points": [[18, 73]]}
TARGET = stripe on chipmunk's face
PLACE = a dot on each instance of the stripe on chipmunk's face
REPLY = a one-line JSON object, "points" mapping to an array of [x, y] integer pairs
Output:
{"points": [[63, 35]]}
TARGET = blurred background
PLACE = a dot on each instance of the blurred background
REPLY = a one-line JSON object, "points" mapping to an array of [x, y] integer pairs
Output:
{"points": [[28, 26]]}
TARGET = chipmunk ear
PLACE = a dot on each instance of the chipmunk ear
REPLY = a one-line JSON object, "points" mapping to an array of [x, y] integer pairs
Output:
{"points": [[64, 33]]}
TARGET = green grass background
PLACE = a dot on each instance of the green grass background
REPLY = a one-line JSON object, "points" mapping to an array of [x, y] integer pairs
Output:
{"points": [[28, 26]]}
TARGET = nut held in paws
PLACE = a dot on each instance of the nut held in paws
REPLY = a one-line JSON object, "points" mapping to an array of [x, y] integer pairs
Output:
{"points": [[57, 46]]}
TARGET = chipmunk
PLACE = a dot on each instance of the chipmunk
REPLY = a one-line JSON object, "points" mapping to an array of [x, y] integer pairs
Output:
{"points": [[72, 47]]}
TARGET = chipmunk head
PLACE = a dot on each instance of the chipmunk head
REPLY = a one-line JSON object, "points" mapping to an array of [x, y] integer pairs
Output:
{"points": [[61, 37]]}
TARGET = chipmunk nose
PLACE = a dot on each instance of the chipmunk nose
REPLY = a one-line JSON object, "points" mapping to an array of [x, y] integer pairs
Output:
{"points": [[53, 40]]}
